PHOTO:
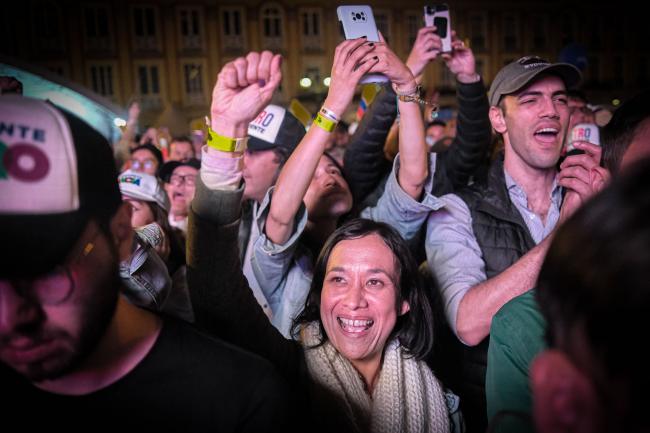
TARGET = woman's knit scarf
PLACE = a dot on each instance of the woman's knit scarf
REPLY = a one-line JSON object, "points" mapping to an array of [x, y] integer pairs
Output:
{"points": [[407, 398]]}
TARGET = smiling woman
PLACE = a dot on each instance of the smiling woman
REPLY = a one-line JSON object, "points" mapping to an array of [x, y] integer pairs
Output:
{"points": [[356, 358]]}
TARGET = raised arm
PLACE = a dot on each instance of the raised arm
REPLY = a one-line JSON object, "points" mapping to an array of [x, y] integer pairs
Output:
{"points": [[366, 158], [352, 59], [473, 129], [223, 302], [413, 167]]}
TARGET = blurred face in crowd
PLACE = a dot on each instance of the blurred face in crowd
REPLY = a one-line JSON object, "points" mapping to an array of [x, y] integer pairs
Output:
{"points": [[144, 161], [49, 323], [533, 122], [180, 189], [181, 151], [260, 173], [141, 213], [434, 133], [328, 195], [358, 299], [579, 112]]}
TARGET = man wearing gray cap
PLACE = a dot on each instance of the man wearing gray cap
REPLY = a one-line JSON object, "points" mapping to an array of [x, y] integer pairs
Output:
{"points": [[487, 244]]}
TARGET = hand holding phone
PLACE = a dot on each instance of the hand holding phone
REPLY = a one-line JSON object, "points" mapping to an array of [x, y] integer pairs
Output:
{"points": [[438, 16], [359, 21]]}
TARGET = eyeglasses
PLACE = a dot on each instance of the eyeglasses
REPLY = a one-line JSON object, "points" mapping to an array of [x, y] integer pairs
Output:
{"points": [[146, 164], [56, 286], [178, 180]]}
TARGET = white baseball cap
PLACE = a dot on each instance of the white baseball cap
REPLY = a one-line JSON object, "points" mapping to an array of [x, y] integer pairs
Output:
{"points": [[142, 186]]}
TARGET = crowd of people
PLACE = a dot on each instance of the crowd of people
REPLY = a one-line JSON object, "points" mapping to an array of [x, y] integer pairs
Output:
{"points": [[415, 276]]}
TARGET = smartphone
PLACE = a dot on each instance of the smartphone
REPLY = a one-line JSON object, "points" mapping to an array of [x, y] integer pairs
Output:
{"points": [[438, 15], [359, 21]]}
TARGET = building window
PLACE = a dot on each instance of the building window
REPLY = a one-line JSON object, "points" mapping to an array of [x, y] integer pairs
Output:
{"points": [[101, 79], [539, 33], [382, 20], [413, 24], [145, 29], [311, 29], [148, 80], [642, 77], [48, 27], [447, 78], [232, 35], [190, 28], [595, 32], [97, 24], [619, 74], [149, 85], [272, 27], [57, 69], [477, 32], [567, 30], [593, 70], [193, 83], [510, 33], [480, 67]]}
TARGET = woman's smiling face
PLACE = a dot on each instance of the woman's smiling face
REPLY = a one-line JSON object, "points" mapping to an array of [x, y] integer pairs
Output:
{"points": [[358, 300]]}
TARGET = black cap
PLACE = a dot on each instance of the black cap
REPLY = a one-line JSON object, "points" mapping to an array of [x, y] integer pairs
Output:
{"points": [[167, 169]]}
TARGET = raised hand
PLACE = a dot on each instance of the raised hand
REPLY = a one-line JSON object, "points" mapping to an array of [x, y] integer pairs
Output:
{"points": [[582, 176], [243, 88], [426, 48], [352, 59], [392, 66], [461, 61]]}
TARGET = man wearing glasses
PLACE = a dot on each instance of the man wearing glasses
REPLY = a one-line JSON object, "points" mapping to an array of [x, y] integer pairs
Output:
{"points": [[179, 178], [146, 158], [72, 348]]}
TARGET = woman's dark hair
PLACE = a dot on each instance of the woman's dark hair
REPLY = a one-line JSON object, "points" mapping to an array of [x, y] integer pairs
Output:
{"points": [[415, 328]]}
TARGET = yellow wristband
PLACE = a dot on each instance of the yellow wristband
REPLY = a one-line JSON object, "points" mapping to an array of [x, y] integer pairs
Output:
{"points": [[226, 144], [324, 123]]}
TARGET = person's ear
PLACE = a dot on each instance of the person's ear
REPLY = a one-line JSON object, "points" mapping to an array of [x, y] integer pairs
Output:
{"points": [[121, 231], [405, 308], [497, 119], [564, 400]]}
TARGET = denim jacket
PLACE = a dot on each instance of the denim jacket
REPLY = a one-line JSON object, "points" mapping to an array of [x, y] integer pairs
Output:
{"points": [[146, 281], [283, 272], [398, 209]]}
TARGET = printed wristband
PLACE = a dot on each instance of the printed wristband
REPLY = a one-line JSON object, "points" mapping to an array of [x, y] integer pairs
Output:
{"points": [[324, 123], [329, 114], [226, 144]]}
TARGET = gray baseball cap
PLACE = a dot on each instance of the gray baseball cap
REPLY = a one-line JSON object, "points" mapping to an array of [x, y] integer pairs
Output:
{"points": [[516, 75]]}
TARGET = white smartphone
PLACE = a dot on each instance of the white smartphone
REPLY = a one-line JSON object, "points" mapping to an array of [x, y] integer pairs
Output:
{"points": [[359, 21], [438, 15]]}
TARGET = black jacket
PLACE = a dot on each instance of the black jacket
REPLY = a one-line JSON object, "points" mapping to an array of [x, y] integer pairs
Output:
{"points": [[366, 168]]}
